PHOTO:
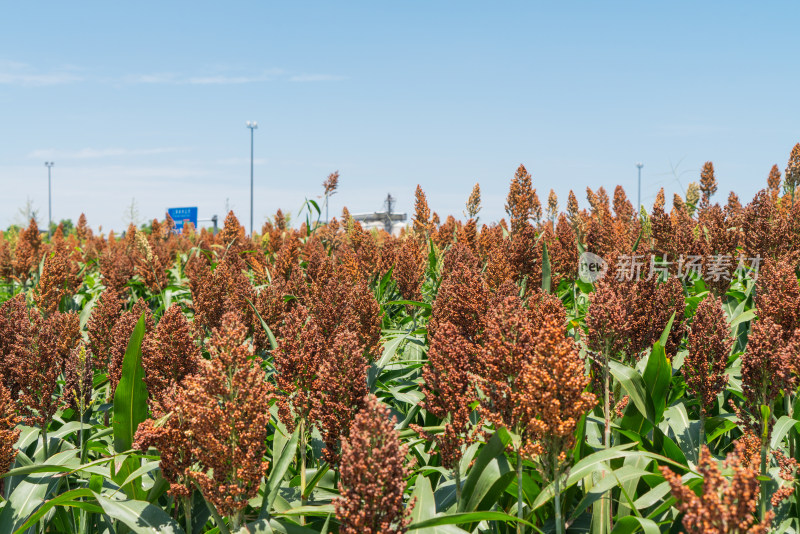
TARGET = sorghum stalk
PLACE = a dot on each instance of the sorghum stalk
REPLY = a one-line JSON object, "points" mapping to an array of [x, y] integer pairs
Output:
{"points": [[187, 512], [764, 464], [519, 492], [606, 398], [302, 468], [559, 522], [457, 473], [701, 439]]}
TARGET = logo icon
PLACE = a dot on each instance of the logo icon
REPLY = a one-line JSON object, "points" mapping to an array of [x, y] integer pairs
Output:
{"points": [[591, 267]]}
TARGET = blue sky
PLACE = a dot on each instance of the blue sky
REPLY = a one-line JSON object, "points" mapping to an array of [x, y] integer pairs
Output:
{"points": [[149, 101]]}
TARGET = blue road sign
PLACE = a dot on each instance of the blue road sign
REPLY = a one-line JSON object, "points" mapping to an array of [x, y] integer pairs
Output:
{"points": [[181, 215]]}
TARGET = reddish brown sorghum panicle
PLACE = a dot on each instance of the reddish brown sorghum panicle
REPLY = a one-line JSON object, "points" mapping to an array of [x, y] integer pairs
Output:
{"points": [[520, 201], [322, 378], [623, 209], [463, 294], [58, 280], [724, 506], [422, 213], [660, 226], [338, 302], [734, 207], [116, 261], [215, 292], [172, 438], [373, 474], [272, 308], [536, 208], [678, 203], [26, 253], [552, 207], [774, 179], [525, 255], [339, 391], [650, 305], [601, 235], [13, 314], [40, 350], [563, 252], [447, 233], [509, 343], [6, 264], [78, 378], [449, 390], [573, 213], [619, 408], [297, 359], [552, 397], [8, 435], [709, 346], [226, 409], [545, 308], [169, 353], [232, 236], [778, 295], [495, 248], [474, 202], [121, 335], [409, 268], [766, 370], [330, 184], [787, 468], [101, 325], [708, 183], [82, 230], [607, 321]]}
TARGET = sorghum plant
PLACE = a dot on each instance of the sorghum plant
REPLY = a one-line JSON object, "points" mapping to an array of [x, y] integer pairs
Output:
{"points": [[709, 345], [101, 325], [708, 184], [553, 402], [8, 431], [226, 410], [724, 507], [169, 353], [373, 472]]}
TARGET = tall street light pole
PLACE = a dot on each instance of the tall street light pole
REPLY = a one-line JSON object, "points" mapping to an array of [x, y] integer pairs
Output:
{"points": [[49, 165], [252, 125], [639, 194]]}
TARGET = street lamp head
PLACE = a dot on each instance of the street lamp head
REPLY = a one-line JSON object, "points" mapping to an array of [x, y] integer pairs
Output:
{"points": [[48, 163], [639, 165], [252, 125]]}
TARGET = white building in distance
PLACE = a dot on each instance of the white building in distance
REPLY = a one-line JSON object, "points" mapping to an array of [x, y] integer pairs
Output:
{"points": [[387, 220]]}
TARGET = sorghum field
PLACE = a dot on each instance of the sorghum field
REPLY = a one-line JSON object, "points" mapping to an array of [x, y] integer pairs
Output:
{"points": [[461, 377]]}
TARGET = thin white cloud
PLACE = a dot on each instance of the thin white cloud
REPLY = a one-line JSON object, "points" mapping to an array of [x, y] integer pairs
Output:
{"points": [[94, 153], [316, 78], [14, 73], [174, 78], [22, 74]]}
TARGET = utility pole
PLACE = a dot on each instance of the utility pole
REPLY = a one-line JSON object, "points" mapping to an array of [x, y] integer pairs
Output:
{"points": [[49, 165], [252, 126], [639, 194]]}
